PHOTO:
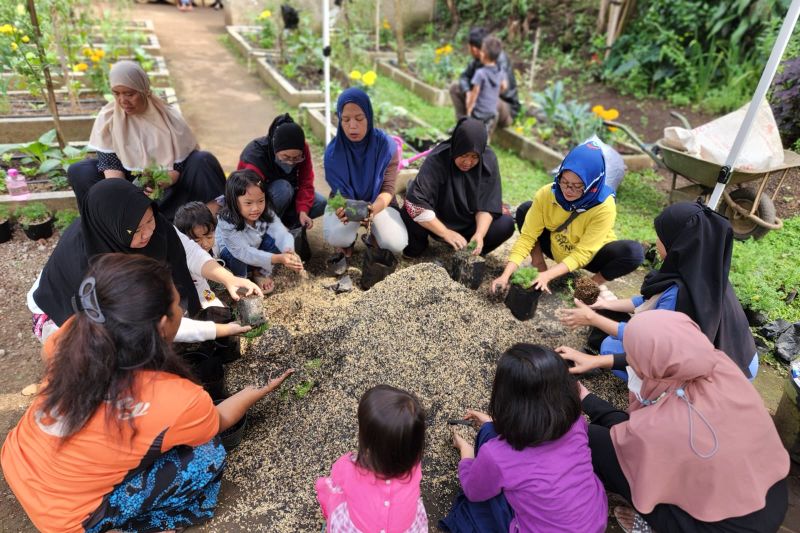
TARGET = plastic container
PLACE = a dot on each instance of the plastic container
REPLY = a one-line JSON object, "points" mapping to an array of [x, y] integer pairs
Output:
{"points": [[356, 210], [210, 372], [43, 230], [467, 269], [522, 302], [16, 185], [5, 231], [376, 266]]}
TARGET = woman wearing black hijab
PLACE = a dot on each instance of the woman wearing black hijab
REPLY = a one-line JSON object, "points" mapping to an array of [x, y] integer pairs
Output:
{"points": [[456, 196], [282, 160], [695, 244], [116, 216]]}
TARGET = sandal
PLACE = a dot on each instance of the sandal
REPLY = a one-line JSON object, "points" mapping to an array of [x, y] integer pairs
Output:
{"points": [[639, 524]]}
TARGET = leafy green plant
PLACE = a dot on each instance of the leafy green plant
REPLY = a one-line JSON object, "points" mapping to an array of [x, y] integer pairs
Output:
{"points": [[153, 177], [336, 202], [267, 33], [436, 65], [301, 47], [4, 213], [256, 331], [65, 217], [302, 389], [550, 99], [33, 213], [578, 121], [471, 246], [524, 277], [42, 158]]}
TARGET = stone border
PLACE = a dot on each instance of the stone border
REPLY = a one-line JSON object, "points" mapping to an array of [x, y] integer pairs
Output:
{"points": [[236, 33], [15, 130], [55, 200], [429, 93], [534, 151]]}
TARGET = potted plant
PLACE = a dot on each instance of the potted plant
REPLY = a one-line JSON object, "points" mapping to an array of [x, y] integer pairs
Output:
{"points": [[466, 268], [64, 218], [356, 210], [36, 221], [586, 290], [5, 224], [522, 299]]}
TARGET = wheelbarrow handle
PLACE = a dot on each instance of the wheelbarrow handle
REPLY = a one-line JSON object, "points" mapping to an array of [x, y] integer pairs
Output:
{"points": [[635, 138], [683, 119]]}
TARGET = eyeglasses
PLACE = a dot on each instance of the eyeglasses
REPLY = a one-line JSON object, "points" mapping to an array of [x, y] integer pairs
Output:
{"points": [[571, 186], [292, 160]]}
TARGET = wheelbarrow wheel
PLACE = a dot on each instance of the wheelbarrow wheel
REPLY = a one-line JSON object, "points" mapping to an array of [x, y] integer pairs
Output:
{"points": [[744, 228]]}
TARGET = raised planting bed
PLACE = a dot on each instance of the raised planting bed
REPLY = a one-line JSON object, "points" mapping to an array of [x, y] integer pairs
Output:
{"points": [[245, 40], [429, 93], [76, 123], [538, 152], [150, 44], [305, 87], [54, 200], [145, 26], [159, 76]]}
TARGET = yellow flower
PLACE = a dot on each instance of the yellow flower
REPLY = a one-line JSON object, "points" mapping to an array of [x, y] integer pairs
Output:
{"points": [[439, 51], [369, 78], [100, 53], [26, 39], [265, 14], [14, 47], [355, 74], [599, 110], [386, 25], [611, 114], [88, 52], [7, 29], [20, 9], [519, 129], [80, 67], [447, 49], [95, 58]]}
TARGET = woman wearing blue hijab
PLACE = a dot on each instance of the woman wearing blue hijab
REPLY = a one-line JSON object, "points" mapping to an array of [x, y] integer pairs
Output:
{"points": [[361, 164], [572, 222]]}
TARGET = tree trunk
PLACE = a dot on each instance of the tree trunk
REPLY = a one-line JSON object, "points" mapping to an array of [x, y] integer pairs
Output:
{"points": [[377, 25], [50, 95], [398, 30], [455, 20]]}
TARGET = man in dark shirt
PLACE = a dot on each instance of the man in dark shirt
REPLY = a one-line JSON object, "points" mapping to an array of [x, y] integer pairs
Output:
{"points": [[508, 104]]}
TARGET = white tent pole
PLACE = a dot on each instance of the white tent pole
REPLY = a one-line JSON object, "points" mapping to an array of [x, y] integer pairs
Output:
{"points": [[326, 50], [761, 92]]}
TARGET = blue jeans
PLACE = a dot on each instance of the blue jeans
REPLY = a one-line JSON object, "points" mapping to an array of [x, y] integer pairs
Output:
{"points": [[240, 268], [281, 195]]}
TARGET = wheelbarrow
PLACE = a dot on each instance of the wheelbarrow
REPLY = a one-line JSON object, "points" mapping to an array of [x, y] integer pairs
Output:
{"points": [[750, 211]]}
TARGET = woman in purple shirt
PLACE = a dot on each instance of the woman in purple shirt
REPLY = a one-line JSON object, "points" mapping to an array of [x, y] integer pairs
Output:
{"points": [[531, 468]]}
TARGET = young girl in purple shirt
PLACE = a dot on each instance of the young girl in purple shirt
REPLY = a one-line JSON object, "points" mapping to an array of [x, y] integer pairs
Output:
{"points": [[530, 468]]}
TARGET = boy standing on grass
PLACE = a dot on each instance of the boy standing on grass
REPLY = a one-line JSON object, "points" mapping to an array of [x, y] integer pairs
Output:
{"points": [[487, 84]]}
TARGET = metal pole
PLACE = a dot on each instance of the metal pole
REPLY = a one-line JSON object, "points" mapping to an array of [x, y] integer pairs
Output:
{"points": [[326, 52], [761, 92]]}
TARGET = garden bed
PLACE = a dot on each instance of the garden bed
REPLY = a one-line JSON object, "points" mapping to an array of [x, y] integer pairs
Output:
{"points": [[149, 44], [243, 40], [429, 93], [302, 88], [76, 127]]}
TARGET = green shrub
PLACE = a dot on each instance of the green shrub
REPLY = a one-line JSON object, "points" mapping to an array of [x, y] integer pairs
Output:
{"points": [[65, 217], [4, 213], [524, 277]]}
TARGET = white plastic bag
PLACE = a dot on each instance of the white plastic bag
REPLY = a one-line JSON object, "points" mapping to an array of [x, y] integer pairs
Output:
{"points": [[713, 141]]}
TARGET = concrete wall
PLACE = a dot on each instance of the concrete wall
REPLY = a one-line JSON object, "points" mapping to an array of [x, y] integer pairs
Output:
{"points": [[415, 13]]}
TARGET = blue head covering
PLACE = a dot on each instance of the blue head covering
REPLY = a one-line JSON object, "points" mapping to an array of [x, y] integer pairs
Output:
{"points": [[585, 160], [356, 169]]}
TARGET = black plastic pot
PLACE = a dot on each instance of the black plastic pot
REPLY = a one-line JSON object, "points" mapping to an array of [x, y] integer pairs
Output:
{"points": [[356, 210], [301, 245], [467, 269], [250, 311], [5, 231], [376, 266], [43, 230], [225, 349], [522, 302], [210, 372], [232, 437]]}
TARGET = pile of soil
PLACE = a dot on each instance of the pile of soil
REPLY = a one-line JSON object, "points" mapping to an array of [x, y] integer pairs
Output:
{"points": [[586, 290], [417, 330]]}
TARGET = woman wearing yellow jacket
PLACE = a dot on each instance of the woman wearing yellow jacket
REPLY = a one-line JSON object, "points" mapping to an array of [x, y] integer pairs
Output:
{"points": [[572, 222]]}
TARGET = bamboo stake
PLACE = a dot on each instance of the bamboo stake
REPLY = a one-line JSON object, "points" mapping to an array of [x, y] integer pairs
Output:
{"points": [[601, 17], [398, 28], [626, 15], [50, 96], [613, 20], [534, 59], [377, 25]]}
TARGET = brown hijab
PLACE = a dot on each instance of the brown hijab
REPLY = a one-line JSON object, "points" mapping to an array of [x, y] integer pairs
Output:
{"points": [[158, 135], [713, 452]]}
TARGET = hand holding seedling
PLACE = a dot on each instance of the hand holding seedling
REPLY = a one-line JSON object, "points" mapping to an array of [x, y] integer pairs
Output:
{"points": [[466, 449], [582, 315], [231, 328], [476, 244]]}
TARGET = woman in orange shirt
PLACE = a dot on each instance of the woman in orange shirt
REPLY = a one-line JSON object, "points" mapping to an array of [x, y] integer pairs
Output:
{"points": [[121, 437]]}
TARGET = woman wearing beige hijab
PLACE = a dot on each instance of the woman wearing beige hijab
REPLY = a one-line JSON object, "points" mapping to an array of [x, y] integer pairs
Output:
{"points": [[697, 449], [138, 130]]}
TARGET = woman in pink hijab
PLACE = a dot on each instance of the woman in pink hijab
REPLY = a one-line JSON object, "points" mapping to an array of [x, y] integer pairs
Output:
{"points": [[697, 449]]}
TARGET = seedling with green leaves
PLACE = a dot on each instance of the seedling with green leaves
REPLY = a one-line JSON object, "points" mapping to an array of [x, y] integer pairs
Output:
{"points": [[524, 277], [256, 331], [336, 202], [154, 177], [4, 213], [43, 158], [65, 217], [33, 213]]}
